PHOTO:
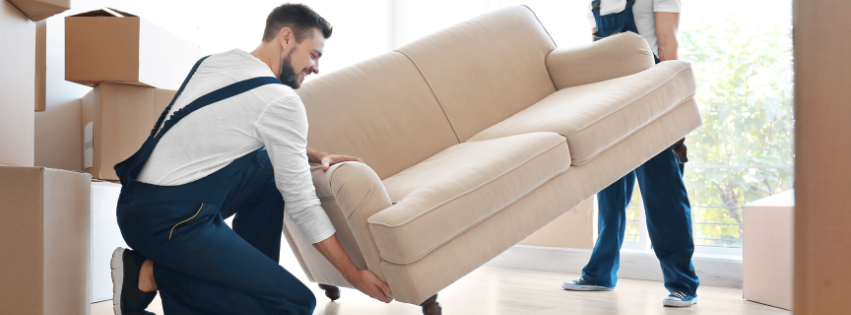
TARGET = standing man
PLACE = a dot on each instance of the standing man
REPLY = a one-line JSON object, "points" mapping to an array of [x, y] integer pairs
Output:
{"points": [[661, 178], [232, 142]]}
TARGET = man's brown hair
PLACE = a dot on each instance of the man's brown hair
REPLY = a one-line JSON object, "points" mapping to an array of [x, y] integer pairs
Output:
{"points": [[299, 18]]}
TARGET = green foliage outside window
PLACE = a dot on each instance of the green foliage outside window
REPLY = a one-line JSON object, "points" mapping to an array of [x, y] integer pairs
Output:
{"points": [[744, 151], [744, 77]]}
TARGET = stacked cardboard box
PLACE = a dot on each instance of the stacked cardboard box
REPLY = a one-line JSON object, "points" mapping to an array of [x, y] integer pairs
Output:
{"points": [[17, 88], [117, 119], [45, 234], [134, 67]]}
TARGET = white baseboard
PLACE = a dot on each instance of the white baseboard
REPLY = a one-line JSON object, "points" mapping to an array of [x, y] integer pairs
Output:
{"points": [[713, 270]]}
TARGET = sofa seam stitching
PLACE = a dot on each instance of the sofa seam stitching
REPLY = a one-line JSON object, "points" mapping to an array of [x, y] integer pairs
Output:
{"points": [[439, 103], [472, 189], [610, 114], [634, 131], [475, 223], [632, 101]]}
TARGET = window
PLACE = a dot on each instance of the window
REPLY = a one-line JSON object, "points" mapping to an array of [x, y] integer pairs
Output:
{"points": [[742, 56]]}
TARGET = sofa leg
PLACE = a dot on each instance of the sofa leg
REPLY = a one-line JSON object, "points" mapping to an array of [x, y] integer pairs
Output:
{"points": [[331, 291], [431, 306]]}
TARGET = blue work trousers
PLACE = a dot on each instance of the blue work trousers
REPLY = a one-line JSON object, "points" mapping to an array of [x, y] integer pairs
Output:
{"points": [[201, 265], [668, 222]]}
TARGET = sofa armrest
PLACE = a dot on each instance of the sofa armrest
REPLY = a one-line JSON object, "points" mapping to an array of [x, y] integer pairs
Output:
{"points": [[613, 57], [351, 192]]}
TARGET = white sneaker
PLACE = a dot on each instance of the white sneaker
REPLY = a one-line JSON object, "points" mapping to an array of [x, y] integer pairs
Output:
{"points": [[679, 299], [582, 285]]}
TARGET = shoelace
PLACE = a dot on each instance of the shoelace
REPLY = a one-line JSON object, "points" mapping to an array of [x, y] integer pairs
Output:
{"points": [[679, 294]]}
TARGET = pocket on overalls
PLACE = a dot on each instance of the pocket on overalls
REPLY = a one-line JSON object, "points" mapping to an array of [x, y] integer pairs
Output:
{"points": [[184, 221]]}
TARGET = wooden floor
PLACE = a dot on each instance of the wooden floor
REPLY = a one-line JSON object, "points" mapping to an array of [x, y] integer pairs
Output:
{"points": [[500, 291]]}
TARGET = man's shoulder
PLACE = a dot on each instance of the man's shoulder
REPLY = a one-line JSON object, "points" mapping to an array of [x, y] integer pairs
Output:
{"points": [[236, 64], [284, 94]]}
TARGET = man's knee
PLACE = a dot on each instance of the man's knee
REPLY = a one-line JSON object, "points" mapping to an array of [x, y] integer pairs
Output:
{"points": [[303, 298]]}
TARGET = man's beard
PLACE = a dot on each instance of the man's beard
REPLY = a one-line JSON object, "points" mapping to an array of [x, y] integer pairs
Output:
{"points": [[288, 75]]}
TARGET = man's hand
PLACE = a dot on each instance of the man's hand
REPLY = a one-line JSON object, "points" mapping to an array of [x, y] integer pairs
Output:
{"points": [[314, 156], [363, 280], [367, 282], [331, 159]]}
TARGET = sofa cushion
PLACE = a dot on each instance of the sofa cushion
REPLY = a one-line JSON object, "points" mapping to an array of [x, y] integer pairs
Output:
{"points": [[445, 195], [594, 117], [380, 110], [486, 69]]}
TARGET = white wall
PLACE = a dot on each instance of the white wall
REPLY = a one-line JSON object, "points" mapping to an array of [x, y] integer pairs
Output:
{"points": [[17, 86]]}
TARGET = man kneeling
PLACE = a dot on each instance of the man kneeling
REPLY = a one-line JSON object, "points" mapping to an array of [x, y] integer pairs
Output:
{"points": [[233, 141]]}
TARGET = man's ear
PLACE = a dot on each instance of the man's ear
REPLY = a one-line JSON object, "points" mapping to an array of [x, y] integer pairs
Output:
{"points": [[285, 37]]}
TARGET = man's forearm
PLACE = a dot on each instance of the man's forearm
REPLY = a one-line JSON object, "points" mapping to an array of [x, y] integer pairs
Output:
{"points": [[667, 24], [334, 252], [668, 52]]}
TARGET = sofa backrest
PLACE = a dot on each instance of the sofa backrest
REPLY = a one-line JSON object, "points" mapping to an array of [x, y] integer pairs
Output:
{"points": [[486, 69], [381, 110]]}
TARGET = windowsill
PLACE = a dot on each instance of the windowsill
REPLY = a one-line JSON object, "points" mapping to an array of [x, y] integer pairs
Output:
{"points": [[645, 253], [713, 268]]}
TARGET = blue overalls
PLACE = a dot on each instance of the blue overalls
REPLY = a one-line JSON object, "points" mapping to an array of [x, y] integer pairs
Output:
{"points": [[202, 266], [665, 201]]}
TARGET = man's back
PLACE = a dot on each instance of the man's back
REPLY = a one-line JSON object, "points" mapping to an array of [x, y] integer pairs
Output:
{"points": [[214, 136]]}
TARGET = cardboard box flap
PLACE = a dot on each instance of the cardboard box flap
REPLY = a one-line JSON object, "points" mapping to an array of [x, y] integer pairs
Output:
{"points": [[122, 12], [38, 10], [105, 12]]}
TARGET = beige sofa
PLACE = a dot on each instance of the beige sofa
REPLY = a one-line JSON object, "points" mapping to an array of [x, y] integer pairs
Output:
{"points": [[477, 136]]}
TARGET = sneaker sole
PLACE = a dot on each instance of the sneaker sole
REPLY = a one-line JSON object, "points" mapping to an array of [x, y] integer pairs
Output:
{"points": [[574, 287], [672, 303], [117, 266]]}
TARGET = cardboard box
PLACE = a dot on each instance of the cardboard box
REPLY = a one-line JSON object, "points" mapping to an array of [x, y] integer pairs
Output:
{"points": [[41, 66], [573, 229], [45, 235], [116, 121], [17, 87], [106, 236], [768, 250], [113, 46], [822, 147], [38, 10]]}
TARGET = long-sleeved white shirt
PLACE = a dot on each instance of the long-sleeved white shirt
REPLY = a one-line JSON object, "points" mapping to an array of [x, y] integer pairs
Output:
{"points": [[214, 136]]}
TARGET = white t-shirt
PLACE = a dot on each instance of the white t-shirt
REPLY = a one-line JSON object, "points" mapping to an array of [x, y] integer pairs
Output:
{"points": [[642, 12], [214, 136]]}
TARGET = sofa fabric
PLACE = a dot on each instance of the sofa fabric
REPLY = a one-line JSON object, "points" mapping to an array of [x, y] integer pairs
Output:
{"points": [[611, 57], [459, 187], [595, 116], [504, 50], [639, 147], [417, 281], [381, 110]]}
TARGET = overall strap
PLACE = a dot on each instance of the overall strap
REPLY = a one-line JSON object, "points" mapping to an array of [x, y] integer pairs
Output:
{"points": [[180, 90], [129, 173], [216, 96]]}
